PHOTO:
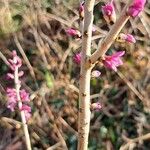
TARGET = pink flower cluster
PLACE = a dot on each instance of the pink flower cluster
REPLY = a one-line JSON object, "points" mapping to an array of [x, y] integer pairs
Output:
{"points": [[15, 63], [110, 61]]}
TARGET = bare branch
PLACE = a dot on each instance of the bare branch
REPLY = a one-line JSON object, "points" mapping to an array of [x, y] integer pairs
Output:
{"points": [[116, 28]]}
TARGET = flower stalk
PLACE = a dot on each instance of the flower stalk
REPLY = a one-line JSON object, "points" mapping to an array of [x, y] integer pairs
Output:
{"points": [[22, 112], [17, 96]]}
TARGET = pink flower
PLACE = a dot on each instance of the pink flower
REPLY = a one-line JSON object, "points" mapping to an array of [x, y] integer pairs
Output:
{"points": [[95, 74], [109, 13], [73, 32], [114, 60], [96, 106], [126, 37], [77, 58], [81, 10], [136, 7]]}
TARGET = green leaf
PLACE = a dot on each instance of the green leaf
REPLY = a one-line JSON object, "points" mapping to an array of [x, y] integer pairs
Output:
{"points": [[49, 79]]}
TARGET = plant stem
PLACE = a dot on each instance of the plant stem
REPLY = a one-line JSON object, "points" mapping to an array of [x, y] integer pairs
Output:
{"points": [[85, 75], [23, 119]]}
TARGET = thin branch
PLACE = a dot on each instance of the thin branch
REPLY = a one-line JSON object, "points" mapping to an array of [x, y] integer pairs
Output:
{"points": [[116, 28], [134, 90], [11, 121], [4, 58]]}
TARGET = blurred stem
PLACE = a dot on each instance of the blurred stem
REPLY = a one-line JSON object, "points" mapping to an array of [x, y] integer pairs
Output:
{"points": [[23, 118], [85, 75]]}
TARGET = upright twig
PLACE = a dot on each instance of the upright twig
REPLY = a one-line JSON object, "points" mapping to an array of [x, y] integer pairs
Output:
{"points": [[85, 75]]}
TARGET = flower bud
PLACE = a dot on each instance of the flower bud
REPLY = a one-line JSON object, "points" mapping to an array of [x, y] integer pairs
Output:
{"points": [[95, 74], [77, 58], [126, 38], [109, 13], [73, 33], [136, 7], [96, 106], [10, 76]]}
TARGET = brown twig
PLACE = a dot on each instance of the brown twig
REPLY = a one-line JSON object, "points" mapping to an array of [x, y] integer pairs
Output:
{"points": [[143, 137], [4, 58], [134, 90]]}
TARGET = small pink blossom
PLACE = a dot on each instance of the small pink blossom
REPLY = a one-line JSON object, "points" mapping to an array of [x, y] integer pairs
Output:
{"points": [[109, 12], [95, 74], [77, 58], [24, 95], [126, 37], [136, 7], [73, 33], [96, 106], [113, 61], [12, 98]]}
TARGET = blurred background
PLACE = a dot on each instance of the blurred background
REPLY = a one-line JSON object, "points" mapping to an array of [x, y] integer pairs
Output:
{"points": [[36, 29]]}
